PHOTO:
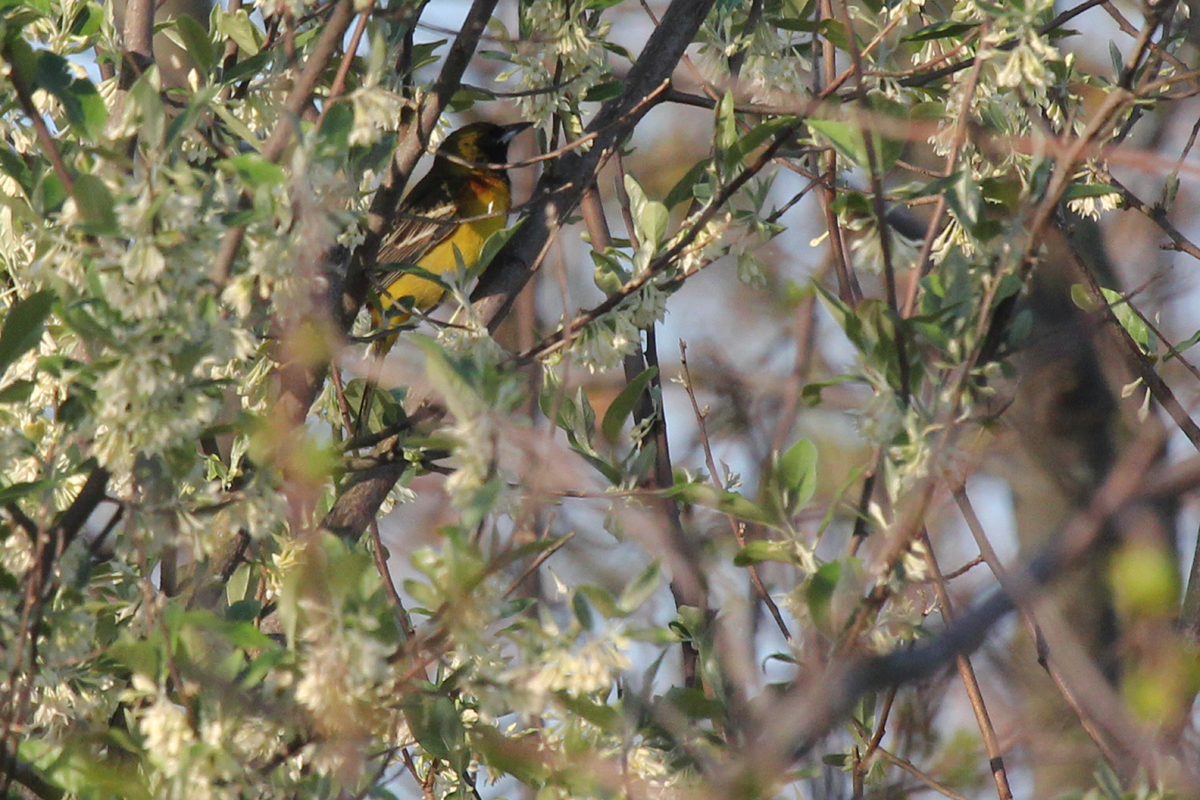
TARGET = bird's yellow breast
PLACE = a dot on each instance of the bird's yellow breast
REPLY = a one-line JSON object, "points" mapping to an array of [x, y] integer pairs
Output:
{"points": [[485, 207]]}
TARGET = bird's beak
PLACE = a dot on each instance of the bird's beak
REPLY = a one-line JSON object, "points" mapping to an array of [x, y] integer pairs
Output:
{"points": [[510, 131]]}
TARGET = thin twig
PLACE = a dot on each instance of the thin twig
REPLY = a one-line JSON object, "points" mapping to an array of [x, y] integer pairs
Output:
{"points": [[939, 210], [737, 527], [877, 205], [966, 673]]}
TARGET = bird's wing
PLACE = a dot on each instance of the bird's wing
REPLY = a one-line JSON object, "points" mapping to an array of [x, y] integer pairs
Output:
{"points": [[426, 218]]}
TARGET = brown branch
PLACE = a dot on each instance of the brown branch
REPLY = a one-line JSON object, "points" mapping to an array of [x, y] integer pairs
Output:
{"points": [[939, 210], [877, 205], [988, 554], [388, 584], [298, 98], [1159, 216], [560, 190], [1141, 363], [339, 80], [138, 36], [966, 674], [20, 84]]}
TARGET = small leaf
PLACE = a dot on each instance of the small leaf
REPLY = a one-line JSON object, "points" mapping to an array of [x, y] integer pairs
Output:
{"points": [[819, 591], [845, 138], [463, 399], [940, 30], [765, 550], [1134, 325], [238, 27], [583, 611], [95, 205], [196, 41], [811, 393], [624, 403], [798, 474], [684, 189], [726, 133], [17, 391], [835, 31], [726, 502], [604, 91], [640, 589], [23, 326], [18, 490], [758, 135], [255, 170], [83, 105]]}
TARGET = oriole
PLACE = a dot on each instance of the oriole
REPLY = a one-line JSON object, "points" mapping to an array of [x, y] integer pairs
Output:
{"points": [[462, 201], [441, 223]]}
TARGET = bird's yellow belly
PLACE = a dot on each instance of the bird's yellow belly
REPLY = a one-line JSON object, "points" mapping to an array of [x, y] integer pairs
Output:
{"points": [[441, 260]]}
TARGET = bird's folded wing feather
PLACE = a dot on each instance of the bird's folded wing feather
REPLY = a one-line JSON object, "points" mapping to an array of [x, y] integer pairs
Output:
{"points": [[417, 231]]}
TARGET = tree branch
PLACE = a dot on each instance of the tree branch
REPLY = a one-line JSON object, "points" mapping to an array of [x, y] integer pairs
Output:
{"points": [[559, 191]]}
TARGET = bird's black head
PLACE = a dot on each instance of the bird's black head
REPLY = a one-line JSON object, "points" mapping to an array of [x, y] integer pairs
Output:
{"points": [[481, 142]]}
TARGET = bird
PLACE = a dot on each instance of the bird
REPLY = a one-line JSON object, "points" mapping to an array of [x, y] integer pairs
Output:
{"points": [[439, 225], [444, 221]]}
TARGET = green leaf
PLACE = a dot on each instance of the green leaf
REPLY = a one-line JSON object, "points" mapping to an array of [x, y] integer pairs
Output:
{"points": [[798, 25], [17, 391], [819, 591], [83, 105], [765, 550], [492, 246], [196, 41], [462, 398], [798, 475], [18, 490], [88, 20], [23, 326], [600, 599], [1185, 344], [835, 31], [726, 133], [694, 703], [640, 589], [940, 30], [603, 716], [811, 393], [95, 205], [846, 139], [246, 67], [757, 136], [583, 611], [684, 189], [436, 725], [1134, 325], [604, 91], [238, 27], [1079, 190], [16, 168], [255, 170], [467, 96], [515, 756], [732, 503], [624, 403], [649, 216], [965, 198]]}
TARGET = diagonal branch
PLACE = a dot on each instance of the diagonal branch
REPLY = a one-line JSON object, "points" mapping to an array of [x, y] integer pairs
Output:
{"points": [[559, 191]]}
